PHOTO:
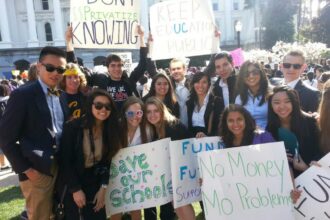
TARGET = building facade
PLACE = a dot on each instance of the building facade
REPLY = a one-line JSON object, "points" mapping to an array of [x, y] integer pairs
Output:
{"points": [[28, 25]]}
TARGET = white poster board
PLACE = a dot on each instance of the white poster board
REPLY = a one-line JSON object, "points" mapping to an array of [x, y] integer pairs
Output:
{"points": [[314, 202], [247, 183], [140, 177], [105, 24], [184, 167], [182, 28], [126, 58]]}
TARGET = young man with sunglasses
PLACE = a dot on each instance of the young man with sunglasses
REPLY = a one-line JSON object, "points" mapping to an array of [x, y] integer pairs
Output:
{"points": [[118, 85], [292, 67], [30, 131]]}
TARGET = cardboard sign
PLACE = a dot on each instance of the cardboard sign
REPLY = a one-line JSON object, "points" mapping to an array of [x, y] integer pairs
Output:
{"points": [[105, 24], [238, 57], [182, 28], [140, 177], [247, 183], [184, 166], [127, 61], [314, 202]]}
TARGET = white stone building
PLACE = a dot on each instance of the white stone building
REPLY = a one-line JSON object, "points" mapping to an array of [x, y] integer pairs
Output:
{"points": [[28, 25]]}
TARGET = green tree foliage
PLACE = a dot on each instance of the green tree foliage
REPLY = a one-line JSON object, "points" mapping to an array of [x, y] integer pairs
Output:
{"points": [[278, 20]]}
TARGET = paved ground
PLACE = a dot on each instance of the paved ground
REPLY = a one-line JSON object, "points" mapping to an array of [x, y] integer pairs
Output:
{"points": [[8, 178]]}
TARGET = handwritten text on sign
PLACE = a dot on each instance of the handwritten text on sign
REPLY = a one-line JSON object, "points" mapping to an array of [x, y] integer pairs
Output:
{"points": [[314, 202], [104, 23], [139, 179], [184, 165], [247, 183], [182, 28]]}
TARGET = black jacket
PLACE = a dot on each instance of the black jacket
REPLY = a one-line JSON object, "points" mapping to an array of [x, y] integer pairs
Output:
{"points": [[309, 97], [217, 90], [176, 131]]}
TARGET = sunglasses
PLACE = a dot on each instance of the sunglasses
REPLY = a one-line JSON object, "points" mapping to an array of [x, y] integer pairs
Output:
{"points": [[100, 105], [295, 66], [116, 65], [51, 68], [131, 114], [253, 72]]}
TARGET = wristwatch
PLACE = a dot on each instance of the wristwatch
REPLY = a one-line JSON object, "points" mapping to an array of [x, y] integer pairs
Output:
{"points": [[104, 186]]}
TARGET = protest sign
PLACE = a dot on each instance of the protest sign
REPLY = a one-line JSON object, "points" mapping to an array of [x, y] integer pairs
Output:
{"points": [[105, 24], [238, 57], [314, 202], [182, 28], [247, 183], [140, 177], [325, 161], [127, 61], [184, 167]]}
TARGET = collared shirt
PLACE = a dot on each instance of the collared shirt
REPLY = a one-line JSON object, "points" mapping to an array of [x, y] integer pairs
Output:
{"points": [[225, 92], [259, 113], [56, 112], [198, 116], [182, 94], [293, 83], [137, 140]]}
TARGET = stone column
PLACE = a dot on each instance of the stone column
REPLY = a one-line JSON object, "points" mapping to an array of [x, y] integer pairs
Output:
{"points": [[4, 26], [59, 31], [33, 39]]}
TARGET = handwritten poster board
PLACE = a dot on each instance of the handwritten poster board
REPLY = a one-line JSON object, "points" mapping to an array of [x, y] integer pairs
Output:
{"points": [[140, 177], [184, 166], [105, 24], [126, 58], [247, 183], [314, 202], [182, 28]]}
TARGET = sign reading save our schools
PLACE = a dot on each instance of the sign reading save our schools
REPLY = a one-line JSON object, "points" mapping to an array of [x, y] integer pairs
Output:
{"points": [[104, 23], [182, 28], [314, 202], [140, 177], [184, 166], [247, 183]]}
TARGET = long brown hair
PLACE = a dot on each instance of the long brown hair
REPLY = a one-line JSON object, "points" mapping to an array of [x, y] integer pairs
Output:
{"points": [[165, 116], [324, 120], [131, 101]]}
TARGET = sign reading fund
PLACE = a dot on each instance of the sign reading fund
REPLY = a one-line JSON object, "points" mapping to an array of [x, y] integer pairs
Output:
{"points": [[248, 183], [104, 23], [184, 165], [140, 177], [182, 28]]}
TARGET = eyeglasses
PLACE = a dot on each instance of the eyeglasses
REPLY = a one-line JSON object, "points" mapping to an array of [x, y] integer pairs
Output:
{"points": [[51, 68], [295, 66], [100, 105], [131, 114], [254, 72], [116, 65]]}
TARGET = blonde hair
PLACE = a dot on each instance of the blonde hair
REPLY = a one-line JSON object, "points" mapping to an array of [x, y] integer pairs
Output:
{"points": [[83, 81], [165, 116]]}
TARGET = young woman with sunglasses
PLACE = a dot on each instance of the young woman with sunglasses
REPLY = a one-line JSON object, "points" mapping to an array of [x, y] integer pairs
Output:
{"points": [[203, 107], [74, 85], [299, 130], [162, 88], [165, 125], [87, 146], [134, 125], [253, 91]]}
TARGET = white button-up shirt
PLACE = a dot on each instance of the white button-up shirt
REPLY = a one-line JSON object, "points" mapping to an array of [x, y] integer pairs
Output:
{"points": [[182, 94]]}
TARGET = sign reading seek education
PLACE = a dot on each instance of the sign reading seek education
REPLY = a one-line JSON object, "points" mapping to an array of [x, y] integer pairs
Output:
{"points": [[105, 24], [247, 183], [182, 28]]}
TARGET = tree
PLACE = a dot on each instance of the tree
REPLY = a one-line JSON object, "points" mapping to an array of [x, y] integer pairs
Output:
{"points": [[278, 21], [321, 26]]}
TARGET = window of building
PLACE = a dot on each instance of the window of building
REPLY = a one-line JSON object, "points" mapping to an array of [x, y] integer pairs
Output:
{"points": [[236, 5], [0, 36], [45, 4], [48, 31], [215, 6]]}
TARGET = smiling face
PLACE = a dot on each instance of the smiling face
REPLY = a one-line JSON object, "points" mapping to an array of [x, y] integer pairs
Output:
{"points": [[102, 113], [161, 87], [72, 83], [178, 71], [153, 114], [282, 106], [202, 86], [115, 70], [135, 118], [236, 123], [223, 68], [291, 74], [51, 79], [252, 77]]}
